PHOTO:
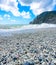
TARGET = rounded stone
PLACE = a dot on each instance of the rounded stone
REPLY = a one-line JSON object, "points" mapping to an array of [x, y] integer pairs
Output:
{"points": [[28, 63]]}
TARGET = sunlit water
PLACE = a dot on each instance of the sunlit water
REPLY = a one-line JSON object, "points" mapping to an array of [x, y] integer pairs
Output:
{"points": [[16, 27], [8, 29], [22, 27]]}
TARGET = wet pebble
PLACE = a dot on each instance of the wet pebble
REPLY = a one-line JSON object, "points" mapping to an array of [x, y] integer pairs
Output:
{"points": [[28, 63], [14, 59]]}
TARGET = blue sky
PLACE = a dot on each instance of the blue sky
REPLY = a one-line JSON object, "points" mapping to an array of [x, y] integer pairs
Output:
{"points": [[23, 11]]}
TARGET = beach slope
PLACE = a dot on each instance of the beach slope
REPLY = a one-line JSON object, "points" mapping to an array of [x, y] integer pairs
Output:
{"points": [[37, 47]]}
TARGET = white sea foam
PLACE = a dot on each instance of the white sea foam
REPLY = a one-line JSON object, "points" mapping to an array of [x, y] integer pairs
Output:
{"points": [[37, 26], [43, 25], [24, 27]]}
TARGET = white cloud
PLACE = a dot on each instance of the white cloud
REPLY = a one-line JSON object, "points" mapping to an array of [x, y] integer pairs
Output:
{"points": [[25, 14], [13, 20], [38, 6], [37, 11], [54, 2], [35, 7], [1, 18], [10, 6], [7, 16], [27, 2]]}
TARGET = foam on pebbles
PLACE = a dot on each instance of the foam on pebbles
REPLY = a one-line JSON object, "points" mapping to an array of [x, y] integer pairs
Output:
{"points": [[38, 48]]}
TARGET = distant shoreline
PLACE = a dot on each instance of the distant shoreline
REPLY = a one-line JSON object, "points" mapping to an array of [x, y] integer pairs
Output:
{"points": [[10, 32], [24, 27]]}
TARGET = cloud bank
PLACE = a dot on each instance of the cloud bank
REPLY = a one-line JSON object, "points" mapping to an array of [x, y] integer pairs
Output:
{"points": [[36, 6], [12, 6], [39, 6], [1, 18]]}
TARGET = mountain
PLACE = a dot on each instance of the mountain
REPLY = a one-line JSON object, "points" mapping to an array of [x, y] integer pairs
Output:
{"points": [[46, 17]]}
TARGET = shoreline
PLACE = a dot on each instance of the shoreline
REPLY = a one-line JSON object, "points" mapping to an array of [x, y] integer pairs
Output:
{"points": [[7, 32], [37, 47], [20, 29], [10, 32]]}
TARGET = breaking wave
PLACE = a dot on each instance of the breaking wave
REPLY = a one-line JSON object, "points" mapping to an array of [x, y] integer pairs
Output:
{"points": [[35, 26], [43, 25]]}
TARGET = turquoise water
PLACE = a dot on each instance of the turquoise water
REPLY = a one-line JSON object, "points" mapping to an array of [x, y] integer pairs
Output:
{"points": [[11, 26], [27, 26]]}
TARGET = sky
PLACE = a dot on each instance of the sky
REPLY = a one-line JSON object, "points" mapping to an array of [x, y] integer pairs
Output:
{"points": [[23, 11]]}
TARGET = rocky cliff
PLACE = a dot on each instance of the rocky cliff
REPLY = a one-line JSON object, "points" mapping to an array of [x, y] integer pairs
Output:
{"points": [[46, 17]]}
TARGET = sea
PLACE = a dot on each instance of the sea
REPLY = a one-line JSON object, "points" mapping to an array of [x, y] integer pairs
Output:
{"points": [[20, 28], [26, 26]]}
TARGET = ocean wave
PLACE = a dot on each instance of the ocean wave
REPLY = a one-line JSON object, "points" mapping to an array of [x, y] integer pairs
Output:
{"points": [[43, 25], [35, 26]]}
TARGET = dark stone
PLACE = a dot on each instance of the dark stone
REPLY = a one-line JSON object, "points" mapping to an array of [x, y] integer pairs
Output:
{"points": [[4, 62], [49, 63], [54, 56], [47, 60], [35, 51], [55, 53], [40, 59], [2, 59], [28, 63], [25, 52], [46, 55], [4, 56], [55, 63], [11, 52], [17, 43], [14, 59], [0, 63]]}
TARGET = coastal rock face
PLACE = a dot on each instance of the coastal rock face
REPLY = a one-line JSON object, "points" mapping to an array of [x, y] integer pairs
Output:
{"points": [[46, 17]]}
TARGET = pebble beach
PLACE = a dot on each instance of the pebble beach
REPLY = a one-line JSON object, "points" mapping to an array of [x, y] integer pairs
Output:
{"points": [[29, 48]]}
